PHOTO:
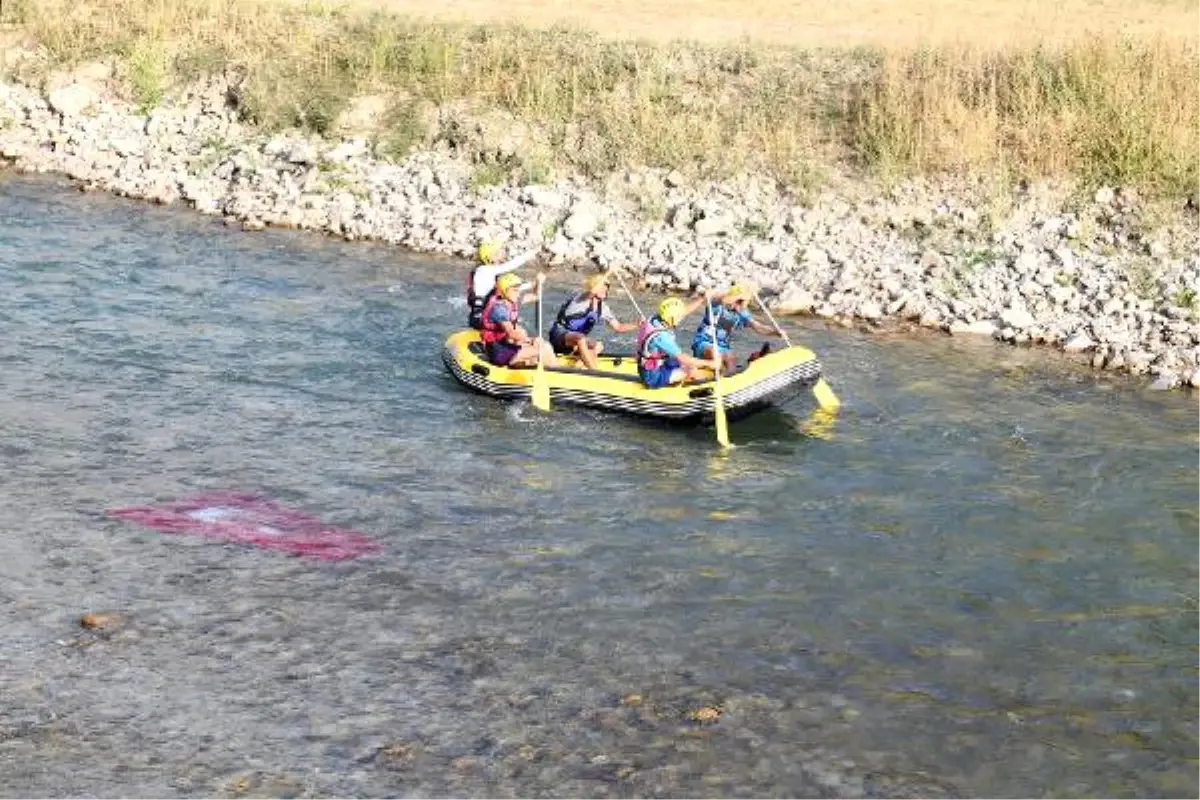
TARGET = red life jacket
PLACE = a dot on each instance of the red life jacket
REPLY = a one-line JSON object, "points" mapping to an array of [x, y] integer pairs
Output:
{"points": [[649, 359], [494, 331]]}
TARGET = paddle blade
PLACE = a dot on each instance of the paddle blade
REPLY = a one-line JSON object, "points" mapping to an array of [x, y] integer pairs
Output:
{"points": [[722, 423], [825, 396], [540, 395]]}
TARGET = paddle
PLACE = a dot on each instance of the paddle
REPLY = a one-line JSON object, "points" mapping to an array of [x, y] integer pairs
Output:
{"points": [[825, 396], [718, 399], [629, 294], [540, 394]]}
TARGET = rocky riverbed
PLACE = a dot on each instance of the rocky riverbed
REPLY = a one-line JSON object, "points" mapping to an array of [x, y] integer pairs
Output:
{"points": [[1103, 275]]}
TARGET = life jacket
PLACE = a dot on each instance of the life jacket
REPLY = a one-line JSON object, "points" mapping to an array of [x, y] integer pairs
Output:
{"points": [[475, 303], [582, 322], [723, 320], [650, 359], [493, 331]]}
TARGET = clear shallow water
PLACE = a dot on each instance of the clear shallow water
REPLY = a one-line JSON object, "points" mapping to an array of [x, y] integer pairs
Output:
{"points": [[979, 580]]}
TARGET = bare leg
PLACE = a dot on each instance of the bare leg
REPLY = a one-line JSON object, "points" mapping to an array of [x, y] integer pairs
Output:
{"points": [[730, 362], [548, 357], [528, 355], [580, 343], [707, 355]]}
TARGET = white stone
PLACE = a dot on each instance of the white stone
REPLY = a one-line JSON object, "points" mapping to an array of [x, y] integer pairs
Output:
{"points": [[1079, 343], [680, 216], [714, 225], [346, 150], [1165, 382], [542, 197], [1061, 295], [73, 99], [1016, 317], [302, 153], [764, 254], [932, 260], [814, 258], [1104, 195], [870, 310], [795, 301], [1026, 263], [980, 327], [560, 246], [580, 224], [1066, 257]]}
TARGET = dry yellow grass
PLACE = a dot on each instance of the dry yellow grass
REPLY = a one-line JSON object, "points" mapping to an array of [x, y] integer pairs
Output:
{"points": [[826, 23], [997, 86]]}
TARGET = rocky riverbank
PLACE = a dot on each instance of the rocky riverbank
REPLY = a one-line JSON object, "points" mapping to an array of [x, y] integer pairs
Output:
{"points": [[1100, 275]]}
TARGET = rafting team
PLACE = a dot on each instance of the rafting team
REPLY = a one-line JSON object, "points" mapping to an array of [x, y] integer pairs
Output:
{"points": [[495, 294]]}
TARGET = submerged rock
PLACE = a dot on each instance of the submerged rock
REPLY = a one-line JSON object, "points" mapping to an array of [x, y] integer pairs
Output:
{"points": [[101, 620]]}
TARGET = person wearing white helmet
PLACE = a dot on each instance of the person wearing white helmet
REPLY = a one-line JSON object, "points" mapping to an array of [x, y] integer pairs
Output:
{"points": [[729, 313], [481, 282], [661, 361]]}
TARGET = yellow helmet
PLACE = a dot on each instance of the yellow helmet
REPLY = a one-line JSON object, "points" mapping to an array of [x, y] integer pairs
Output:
{"points": [[507, 281], [737, 292], [594, 282], [489, 252], [670, 311]]}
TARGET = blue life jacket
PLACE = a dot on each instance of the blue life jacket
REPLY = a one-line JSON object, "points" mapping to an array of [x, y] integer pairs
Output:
{"points": [[580, 322]]}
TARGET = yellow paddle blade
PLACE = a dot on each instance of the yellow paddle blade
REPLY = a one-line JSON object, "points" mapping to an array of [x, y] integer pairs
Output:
{"points": [[825, 396], [722, 424], [540, 395]]}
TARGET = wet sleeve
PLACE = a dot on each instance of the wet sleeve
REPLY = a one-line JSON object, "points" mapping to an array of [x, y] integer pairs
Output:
{"points": [[744, 318], [485, 276], [666, 342]]}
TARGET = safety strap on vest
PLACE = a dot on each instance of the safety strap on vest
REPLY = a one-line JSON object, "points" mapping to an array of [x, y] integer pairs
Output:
{"points": [[648, 332], [595, 306]]}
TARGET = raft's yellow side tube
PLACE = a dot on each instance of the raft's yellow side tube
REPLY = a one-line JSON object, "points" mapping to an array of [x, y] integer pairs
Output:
{"points": [[770, 379]]}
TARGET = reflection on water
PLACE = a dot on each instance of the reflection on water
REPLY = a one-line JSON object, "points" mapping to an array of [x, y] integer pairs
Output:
{"points": [[978, 579]]}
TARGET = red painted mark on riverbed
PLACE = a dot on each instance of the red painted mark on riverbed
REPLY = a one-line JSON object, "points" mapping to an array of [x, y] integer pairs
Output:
{"points": [[250, 519]]}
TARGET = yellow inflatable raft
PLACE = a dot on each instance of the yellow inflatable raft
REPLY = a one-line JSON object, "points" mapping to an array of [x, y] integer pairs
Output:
{"points": [[769, 380]]}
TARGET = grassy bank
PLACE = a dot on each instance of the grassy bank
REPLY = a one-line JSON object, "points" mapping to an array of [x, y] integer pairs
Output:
{"points": [[1099, 108]]}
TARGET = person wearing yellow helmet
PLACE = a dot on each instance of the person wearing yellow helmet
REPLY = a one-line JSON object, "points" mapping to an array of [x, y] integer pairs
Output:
{"points": [[505, 342], [578, 316], [729, 313], [482, 280], [661, 361]]}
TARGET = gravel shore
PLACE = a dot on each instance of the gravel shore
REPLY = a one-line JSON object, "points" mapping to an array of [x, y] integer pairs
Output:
{"points": [[1100, 275]]}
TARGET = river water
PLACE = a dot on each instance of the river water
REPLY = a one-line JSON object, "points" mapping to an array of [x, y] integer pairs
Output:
{"points": [[980, 579]]}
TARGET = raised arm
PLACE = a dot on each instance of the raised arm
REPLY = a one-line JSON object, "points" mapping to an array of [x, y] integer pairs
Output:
{"points": [[694, 303], [764, 329], [531, 297], [622, 327], [485, 276]]}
